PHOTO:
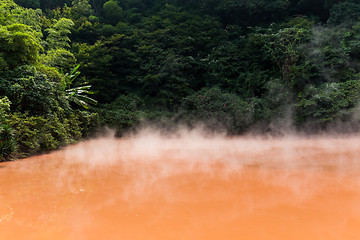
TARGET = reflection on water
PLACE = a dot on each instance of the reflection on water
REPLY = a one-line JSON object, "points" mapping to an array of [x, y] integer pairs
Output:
{"points": [[185, 187]]}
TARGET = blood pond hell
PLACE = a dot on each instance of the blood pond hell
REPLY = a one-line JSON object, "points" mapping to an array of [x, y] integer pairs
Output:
{"points": [[185, 187]]}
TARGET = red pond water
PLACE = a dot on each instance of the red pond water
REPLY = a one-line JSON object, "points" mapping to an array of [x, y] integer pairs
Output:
{"points": [[188, 187]]}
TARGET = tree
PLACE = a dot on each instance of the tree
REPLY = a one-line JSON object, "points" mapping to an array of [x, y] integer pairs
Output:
{"points": [[59, 58], [8, 11], [29, 3], [345, 12], [113, 13], [250, 13], [19, 44], [59, 34], [81, 8], [283, 47]]}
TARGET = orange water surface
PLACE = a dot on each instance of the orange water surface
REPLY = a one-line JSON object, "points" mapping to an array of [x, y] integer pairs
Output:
{"points": [[185, 187]]}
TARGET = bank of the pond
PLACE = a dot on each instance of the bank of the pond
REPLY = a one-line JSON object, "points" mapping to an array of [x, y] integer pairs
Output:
{"points": [[23, 135]]}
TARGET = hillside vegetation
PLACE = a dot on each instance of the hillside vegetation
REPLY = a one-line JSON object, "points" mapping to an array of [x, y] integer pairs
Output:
{"points": [[68, 68]]}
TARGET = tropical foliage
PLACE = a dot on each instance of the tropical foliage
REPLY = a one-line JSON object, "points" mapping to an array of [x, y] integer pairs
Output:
{"points": [[238, 65]]}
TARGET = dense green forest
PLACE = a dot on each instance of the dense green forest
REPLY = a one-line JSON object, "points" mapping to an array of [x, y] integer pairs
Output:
{"points": [[68, 67]]}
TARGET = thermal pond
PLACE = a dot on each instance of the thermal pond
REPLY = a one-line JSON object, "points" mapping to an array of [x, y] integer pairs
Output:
{"points": [[185, 186]]}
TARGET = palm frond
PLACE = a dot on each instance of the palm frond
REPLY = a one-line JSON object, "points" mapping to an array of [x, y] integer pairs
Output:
{"points": [[77, 94]]}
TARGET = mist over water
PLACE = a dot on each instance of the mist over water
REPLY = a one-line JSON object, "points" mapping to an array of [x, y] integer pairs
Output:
{"points": [[186, 185]]}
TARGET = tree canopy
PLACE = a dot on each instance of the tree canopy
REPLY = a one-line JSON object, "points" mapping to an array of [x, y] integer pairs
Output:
{"points": [[235, 64]]}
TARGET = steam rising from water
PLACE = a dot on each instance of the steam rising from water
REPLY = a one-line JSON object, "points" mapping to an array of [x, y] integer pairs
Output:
{"points": [[186, 185], [195, 151]]}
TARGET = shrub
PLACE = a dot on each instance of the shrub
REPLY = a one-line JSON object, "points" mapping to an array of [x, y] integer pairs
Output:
{"points": [[89, 122], [4, 107], [8, 145], [121, 114], [216, 108], [39, 133]]}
